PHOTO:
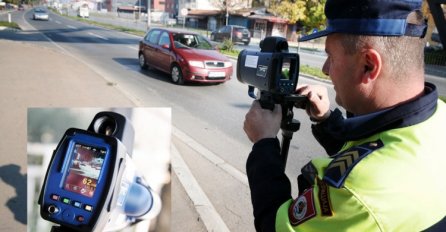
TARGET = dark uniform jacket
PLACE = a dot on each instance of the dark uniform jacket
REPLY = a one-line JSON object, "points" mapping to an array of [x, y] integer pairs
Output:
{"points": [[372, 180]]}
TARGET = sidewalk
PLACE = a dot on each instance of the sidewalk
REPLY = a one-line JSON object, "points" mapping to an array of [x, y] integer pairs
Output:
{"points": [[29, 78]]}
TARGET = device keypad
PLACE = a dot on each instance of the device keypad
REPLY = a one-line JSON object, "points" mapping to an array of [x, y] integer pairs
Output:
{"points": [[74, 203]]}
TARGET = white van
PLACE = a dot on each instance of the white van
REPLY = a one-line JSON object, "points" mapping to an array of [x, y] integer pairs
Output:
{"points": [[83, 12]]}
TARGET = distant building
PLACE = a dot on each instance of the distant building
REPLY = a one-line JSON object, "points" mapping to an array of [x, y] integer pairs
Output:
{"points": [[171, 7]]}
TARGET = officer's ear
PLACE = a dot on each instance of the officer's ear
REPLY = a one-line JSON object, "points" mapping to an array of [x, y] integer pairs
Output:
{"points": [[372, 64]]}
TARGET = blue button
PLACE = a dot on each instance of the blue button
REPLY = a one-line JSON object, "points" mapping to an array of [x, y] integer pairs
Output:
{"points": [[77, 204]]}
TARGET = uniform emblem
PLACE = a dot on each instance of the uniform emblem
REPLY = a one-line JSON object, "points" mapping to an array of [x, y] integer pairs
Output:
{"points": [[343, 163], [324, 199], [302, 208]]}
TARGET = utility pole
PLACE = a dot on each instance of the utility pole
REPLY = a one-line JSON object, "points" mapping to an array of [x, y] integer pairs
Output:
{"points": [[148, 14], [139, 9], [227, 15]]}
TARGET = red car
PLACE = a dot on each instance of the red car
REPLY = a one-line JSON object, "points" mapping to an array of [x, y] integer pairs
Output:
{"points": [[187, 56]]}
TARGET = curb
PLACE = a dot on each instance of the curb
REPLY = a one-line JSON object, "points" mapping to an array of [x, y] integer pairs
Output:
{"points": [[208, 214], [2, 28]]}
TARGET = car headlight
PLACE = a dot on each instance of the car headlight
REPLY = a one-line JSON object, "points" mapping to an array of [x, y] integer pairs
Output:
{"points": [[198, 64], [228, 64]]}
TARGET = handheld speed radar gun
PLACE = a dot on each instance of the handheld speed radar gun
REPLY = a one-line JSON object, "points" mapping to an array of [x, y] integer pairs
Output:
{"points": [[91, 183], [274, 71]]}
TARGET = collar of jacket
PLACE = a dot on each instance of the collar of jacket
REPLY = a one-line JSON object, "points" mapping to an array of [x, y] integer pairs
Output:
{"points": [[407, 114]]}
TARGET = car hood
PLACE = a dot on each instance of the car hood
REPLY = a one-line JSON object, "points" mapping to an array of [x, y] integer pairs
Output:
{"points": [[202, 55]]}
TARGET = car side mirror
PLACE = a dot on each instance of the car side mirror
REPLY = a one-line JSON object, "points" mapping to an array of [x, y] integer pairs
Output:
{"points": [[166, 46]]}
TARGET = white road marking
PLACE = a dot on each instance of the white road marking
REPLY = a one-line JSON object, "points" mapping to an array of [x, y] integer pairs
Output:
{"points": [[209, 155], [72, 27], [57, 22], [132, 47], [96, 35]]}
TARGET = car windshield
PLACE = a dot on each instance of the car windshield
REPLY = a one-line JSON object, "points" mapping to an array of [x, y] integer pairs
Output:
{"points": [[240, 29], [39, 11], [183, 40]]}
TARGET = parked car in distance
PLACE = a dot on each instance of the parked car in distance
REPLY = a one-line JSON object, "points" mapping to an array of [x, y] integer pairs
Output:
{"points": [[83, 11], [21, 7], [239, 34], [185, 55], [40, 14]]}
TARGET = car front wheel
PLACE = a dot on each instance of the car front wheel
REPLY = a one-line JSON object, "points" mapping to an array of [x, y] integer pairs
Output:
{"points": [[142, 61], [177, 75]]}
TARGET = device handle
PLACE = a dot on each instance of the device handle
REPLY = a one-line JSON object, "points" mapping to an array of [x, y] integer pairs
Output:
{"points": [[251, 92]]}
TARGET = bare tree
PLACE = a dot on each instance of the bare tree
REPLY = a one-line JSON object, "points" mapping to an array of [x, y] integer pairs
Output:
{"points": [[229, 6]]}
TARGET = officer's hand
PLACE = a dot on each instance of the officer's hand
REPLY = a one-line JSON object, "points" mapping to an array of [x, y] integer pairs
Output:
{"points": [[262, 123], [318, 106]]}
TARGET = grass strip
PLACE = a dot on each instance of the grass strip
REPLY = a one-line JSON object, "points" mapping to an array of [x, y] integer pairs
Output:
{"points": [[10, 25]]}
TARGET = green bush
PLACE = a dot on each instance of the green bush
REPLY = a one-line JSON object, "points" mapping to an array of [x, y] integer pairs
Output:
{"points": [[227, 45], [443, 98]]}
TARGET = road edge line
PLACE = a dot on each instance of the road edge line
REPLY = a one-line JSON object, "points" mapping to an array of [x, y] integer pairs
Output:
{"points": [[210, 156], [204, 207]]}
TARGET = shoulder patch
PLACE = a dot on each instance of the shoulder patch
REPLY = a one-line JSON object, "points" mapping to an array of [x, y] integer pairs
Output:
{"points": [[302, 208], [324, 199], [339, 168]]}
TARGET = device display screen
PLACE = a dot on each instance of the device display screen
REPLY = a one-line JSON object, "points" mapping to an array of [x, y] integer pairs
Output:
{"points": [[286, 64], [84, 170]]}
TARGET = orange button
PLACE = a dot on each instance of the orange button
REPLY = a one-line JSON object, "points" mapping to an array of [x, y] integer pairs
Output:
{"points": [[80, 218]]}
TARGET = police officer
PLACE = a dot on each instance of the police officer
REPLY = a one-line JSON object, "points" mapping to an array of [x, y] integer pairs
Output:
{"points": [[385, 169]]}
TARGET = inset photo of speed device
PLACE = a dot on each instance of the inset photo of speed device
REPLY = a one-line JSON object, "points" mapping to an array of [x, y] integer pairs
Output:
{"points": [[98, 169]]}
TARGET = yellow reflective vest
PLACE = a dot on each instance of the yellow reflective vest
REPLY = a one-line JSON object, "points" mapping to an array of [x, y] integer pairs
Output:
{"points": [[394, 180]]}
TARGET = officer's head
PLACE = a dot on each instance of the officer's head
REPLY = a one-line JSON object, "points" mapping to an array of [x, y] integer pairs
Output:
{"points": [[375, 48]]}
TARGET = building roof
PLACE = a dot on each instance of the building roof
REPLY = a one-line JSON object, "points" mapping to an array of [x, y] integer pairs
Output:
{"points": [[269, 18], [249, 13], [204, 12]]}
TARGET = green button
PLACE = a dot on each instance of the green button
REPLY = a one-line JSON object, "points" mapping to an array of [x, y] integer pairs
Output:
{"points": [[66, 200]]}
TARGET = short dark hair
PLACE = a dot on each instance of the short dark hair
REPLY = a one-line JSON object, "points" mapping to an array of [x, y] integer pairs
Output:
{"points": [[401, 53]]}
